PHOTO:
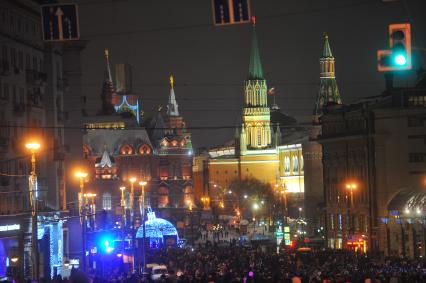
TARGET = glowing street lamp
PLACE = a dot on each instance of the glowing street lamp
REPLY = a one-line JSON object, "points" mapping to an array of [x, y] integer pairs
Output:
{"points": [[351, 187], [132, 194], [142, 209], [33, 147], [122, 200]]}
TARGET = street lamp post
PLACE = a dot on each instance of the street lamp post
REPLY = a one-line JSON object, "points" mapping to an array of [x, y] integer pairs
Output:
{"points": [[191, 219], [123, 224], [351, 187], [142, 209], [82, 211], [283, 193], [132, 197], [33, 147], [132, 219]]}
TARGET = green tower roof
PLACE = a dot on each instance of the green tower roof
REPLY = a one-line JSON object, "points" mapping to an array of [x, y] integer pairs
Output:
{"points": [[255, 68], [326, 53]]}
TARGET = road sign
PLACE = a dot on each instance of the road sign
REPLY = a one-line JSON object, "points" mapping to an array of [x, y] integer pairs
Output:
{"points": [[60, 22], [228, 12]]}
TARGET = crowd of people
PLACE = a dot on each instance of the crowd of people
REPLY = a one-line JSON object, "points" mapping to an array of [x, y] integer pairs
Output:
{"points": [[255, 264]]}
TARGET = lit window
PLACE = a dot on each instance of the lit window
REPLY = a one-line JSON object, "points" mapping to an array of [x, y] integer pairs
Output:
{"points": [[126, 150], [295, 164], [106, 201], [287, 164]]}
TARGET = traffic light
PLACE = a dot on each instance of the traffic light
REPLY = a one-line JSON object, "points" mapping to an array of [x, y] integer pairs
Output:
{"points": [[398, 56]]}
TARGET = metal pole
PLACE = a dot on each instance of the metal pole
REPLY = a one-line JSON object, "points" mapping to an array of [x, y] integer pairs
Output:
{"points": [[132, 221], [83, 224], [33, 201], [142, 207]]}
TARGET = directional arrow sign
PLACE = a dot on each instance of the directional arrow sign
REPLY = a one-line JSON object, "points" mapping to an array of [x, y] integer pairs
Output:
{"points": [[228, 12], [60, 22], [59, 15]]}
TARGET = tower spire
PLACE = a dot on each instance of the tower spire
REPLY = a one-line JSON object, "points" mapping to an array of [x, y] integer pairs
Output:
{"points": [[256, 128], [108, 75], [326, 53], [255, 68], [172, 106], [328, 90], [108, 94]]}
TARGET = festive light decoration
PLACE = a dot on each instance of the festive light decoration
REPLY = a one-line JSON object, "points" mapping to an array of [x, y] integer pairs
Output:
{"points": [[156, 229]]}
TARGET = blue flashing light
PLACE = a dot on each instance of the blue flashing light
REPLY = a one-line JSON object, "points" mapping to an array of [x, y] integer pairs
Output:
{"points": [[400, 59], [106, 243]]}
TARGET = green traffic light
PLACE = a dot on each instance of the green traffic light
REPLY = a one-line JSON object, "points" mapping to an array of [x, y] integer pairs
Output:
{"points": [[400, 59]]}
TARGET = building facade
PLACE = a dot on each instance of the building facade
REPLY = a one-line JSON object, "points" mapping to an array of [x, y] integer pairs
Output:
{"points": [[373, 168], [120, 144], [32, 88]]}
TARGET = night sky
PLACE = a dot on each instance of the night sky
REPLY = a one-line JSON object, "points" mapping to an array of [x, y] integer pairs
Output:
{"points": [[210, 64]]}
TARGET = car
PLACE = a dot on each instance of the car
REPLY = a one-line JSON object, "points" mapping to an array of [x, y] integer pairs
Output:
{"points": [[158, 271]]}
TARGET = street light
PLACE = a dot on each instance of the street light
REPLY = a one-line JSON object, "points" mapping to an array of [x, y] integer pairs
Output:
{"points": [[132, 220], [132, 196], [82, 211], [142, 210], [189, 202], [33, 147], [351, 187]]}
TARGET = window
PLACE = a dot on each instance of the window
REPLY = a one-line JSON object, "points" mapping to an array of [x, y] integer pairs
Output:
{"points": [[417, 157], [295, 164], [332, 221], [20, 60], [287, 164], [106, 201], [417, 100], [259, 137], [27, 61], [35, 63], [13, 57], [414, 121], [340, 222], [4, 54], [5, 93]]}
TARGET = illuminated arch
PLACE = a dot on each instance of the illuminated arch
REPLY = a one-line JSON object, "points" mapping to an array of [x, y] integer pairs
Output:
{"points": [[145, 149], [126, 150]]}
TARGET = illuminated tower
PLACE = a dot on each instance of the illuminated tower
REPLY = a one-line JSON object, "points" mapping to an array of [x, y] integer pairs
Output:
{"points": [[328, 90], [256, 127]]}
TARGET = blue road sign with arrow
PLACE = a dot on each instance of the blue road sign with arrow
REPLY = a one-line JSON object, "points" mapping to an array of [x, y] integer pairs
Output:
{"points": [[228, 12], [60, 22]]}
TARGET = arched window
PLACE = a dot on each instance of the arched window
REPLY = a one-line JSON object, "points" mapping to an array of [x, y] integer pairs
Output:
{"points": [[295, 164], [126, 149], [106, 201], [287, 164], [145, 149]]}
